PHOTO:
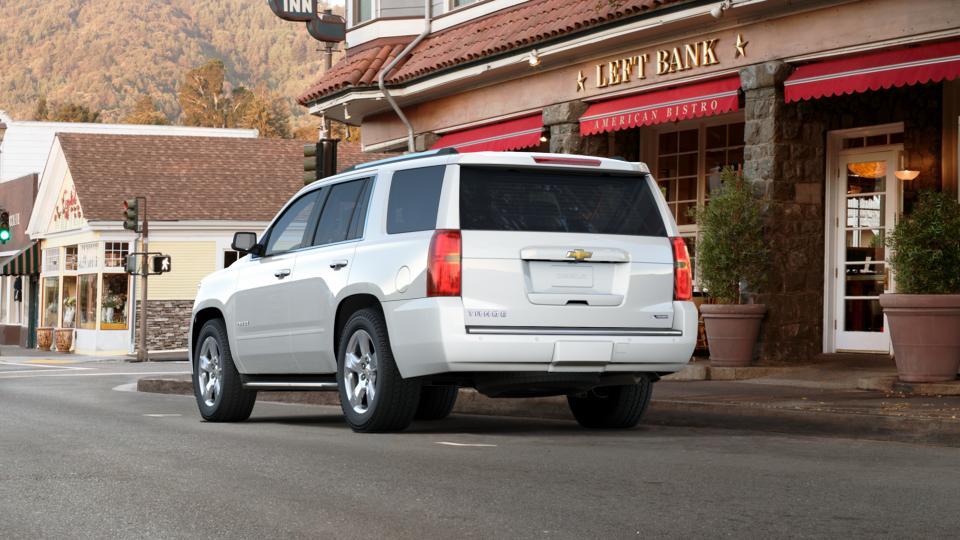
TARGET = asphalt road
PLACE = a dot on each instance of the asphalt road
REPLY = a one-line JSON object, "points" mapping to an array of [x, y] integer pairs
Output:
{"points": [[82, 458]]}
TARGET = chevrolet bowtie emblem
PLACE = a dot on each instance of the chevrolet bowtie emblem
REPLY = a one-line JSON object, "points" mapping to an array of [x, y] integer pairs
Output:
{"points": [[579, 254]]}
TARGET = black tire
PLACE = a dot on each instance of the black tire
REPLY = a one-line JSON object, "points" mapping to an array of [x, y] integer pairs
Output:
{"points": [[612, 407], [232, 403], [395, 398], [436, 402]]}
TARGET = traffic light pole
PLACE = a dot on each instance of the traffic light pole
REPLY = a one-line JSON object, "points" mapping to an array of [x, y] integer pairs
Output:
{"points": [[142, 355]]}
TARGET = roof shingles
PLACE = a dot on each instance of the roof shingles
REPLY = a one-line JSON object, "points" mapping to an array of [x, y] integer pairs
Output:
{"points": [[524, 25]]}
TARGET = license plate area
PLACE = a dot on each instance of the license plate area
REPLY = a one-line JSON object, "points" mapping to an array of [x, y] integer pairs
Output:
{"points": [[559, 277]]}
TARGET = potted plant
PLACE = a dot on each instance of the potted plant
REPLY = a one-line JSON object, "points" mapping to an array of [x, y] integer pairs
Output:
{"points": [[44, 338], [924, 314], [64, 339], [731, 254]]}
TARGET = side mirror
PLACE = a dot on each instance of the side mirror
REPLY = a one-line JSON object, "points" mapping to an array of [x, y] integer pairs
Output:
{"points": [[245, 242]]}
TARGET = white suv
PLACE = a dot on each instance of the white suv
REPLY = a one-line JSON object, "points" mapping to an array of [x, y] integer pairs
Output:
{"points": [[400, 281]]}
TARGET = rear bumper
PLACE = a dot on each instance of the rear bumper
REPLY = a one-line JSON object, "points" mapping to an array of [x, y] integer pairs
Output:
{"points": [[428, 337]]}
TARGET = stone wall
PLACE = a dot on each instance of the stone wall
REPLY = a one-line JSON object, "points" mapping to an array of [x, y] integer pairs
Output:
{"points": [[785, 159], [168, 323]]}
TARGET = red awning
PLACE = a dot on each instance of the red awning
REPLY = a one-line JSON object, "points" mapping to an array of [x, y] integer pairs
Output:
{"points": [[507, 135], [873, 71], [691, 101]]}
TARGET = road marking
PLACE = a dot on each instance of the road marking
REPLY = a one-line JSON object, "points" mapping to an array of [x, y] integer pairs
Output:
{"points": [[49, 361], [35, 364], [445, 443], [162, 415], [108, 374]]}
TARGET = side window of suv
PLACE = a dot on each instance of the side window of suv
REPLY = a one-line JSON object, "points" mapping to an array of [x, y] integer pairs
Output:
{"points": [[290, 231], [343, 213], [414, 198]]}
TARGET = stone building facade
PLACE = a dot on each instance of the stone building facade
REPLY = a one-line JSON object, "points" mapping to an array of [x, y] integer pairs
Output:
{"points": [[814, 107]]}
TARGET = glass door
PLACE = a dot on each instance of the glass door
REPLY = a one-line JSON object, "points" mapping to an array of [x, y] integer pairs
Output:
{"points": [[868, 201]]}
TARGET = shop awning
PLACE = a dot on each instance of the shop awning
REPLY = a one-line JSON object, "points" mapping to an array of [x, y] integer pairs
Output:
{"points": [[26, 262], [691, 101], [507, 135], [873, 71]]}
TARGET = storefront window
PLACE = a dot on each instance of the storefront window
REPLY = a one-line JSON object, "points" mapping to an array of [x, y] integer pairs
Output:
{"points": [[51, 260], [115, 254], [51, 296], [114, 311], [70, 258], [89, 256], [678, 159], [87, 301], [69, 301]]}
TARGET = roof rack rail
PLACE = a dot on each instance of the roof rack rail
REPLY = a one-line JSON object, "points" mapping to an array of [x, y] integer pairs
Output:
{"points": [[405, 157]]}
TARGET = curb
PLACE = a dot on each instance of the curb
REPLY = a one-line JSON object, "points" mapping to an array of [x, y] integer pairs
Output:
{"points": [[682, 413], [893, 384]]}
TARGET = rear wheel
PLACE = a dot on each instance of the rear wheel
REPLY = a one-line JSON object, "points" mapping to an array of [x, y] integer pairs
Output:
{"points": [[216, 381], [373, 395], [436, 402], [612, 407]]}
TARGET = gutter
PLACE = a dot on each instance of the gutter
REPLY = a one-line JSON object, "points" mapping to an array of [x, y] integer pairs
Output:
{"points": [[427, 19]]}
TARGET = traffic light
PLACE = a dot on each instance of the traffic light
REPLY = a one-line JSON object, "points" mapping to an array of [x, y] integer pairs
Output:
{"points": [[131, 214], [4, 227], [319, 160]]}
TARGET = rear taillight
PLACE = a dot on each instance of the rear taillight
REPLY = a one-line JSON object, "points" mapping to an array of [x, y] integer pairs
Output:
{"points": [[682, 274], [553, 160], [443, 264]]}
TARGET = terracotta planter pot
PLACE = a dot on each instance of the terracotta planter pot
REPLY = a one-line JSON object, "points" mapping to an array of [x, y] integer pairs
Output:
{"points": [[925, 331], [64, 339], [44, 338], [732, 330]]}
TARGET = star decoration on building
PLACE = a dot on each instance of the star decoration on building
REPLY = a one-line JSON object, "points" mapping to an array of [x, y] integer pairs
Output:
{"points": [[741, 46], [581, 81]]}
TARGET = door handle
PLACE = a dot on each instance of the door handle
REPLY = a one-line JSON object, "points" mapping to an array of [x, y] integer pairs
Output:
{"points": [[338, 264], [280, 274]]}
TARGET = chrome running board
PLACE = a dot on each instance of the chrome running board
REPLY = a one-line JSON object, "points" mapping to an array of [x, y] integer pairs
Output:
{"points": [[290, 385]]}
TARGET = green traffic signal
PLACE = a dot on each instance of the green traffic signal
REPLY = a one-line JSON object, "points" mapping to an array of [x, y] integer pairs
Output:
{"points": [[4, 227]]}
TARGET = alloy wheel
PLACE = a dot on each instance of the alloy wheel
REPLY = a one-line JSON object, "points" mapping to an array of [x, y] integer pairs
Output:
{"points": [[210, 371], [360, 371]]}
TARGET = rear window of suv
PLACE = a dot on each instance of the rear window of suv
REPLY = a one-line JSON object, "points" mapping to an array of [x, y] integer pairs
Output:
{"points": [[494, 199], [414, 198]]}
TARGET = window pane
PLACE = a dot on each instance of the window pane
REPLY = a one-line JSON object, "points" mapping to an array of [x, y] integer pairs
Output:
{"points": [[338, 213], [414, 199], [715, 161], [70, 258], [862, 316], [364, 10], [115, 254], [669, 189], [687, 189], [69, 301], [51, 298], [689, 140], [687, 164], [289, 230], [716, 136], [685, 213], [668, 167], [87, 300], [668, 143], [735, 134], [557, 201], [113, 316]]}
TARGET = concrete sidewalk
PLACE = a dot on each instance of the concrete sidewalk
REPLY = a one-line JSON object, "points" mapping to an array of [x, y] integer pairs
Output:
{"points": [[816, 399]]}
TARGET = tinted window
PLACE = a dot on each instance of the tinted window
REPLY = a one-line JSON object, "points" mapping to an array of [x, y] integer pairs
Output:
{"points": [[414, 198], [556, 201], [338, 213], [288, 232]]}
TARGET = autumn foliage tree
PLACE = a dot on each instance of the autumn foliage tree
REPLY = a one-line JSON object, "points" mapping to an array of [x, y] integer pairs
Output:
{"points": [[64, 112], [145, 112]]}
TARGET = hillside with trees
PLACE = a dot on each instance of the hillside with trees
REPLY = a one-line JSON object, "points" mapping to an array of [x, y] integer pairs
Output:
{"points": [[109, 61]]}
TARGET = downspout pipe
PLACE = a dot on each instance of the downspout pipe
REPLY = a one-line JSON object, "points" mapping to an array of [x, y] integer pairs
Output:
{"points": [[427, 21]]}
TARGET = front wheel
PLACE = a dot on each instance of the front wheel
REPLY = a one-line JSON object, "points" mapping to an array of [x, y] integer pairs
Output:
{"points": [[612, 407], [373, 395], [216, 381]]}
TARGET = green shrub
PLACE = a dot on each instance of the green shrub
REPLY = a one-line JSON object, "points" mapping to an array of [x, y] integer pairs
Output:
{"points": [[731, 247], [926, 247]]}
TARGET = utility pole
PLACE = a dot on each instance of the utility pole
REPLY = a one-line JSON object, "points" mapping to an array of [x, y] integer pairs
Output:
{"points": [[142, 355]]}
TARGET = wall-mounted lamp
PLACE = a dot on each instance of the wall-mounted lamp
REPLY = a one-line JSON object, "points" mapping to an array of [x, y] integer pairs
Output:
{"points": [[533, 58], [718, 10], [903, 173], [346, 113], [544, 137]]}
